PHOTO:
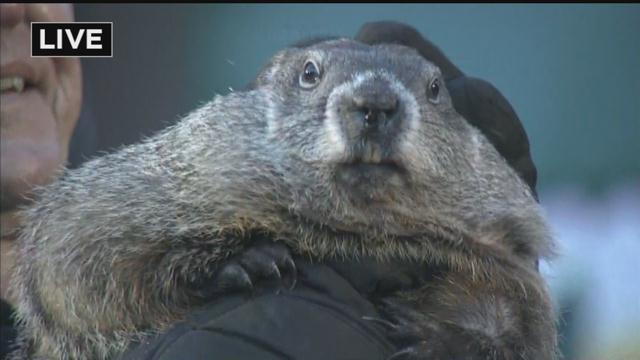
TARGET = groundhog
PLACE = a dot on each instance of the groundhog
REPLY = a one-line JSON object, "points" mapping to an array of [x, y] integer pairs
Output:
{"points": [[339, 150]]}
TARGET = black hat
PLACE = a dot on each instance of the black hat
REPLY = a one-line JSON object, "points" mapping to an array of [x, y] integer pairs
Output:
{"points": [[479, 102]]}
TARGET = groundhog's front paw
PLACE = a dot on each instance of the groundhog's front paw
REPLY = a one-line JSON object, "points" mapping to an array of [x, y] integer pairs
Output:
{"points": [[418, 336], [430, 349], [455, 345], [428, 342], [263, 266], [408, 337], [444, 342]]}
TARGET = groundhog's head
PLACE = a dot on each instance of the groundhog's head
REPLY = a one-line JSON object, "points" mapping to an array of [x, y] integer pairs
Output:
{"points": [[368, 140]]}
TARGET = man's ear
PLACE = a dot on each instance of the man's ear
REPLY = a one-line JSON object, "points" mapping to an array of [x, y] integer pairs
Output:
{"points": [[268, 71]]}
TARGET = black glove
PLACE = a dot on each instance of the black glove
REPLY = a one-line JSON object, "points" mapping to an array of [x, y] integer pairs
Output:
{"points": [[322, 318]]}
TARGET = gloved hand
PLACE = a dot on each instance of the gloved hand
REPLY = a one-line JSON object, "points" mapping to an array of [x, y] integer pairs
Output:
{"points": [[321, 318]]}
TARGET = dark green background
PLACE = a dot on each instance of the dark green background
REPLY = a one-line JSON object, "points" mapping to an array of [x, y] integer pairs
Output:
{"points": [[572, 72]]}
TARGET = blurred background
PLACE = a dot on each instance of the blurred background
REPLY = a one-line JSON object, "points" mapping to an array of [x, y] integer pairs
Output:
{"points": [[572, 72]]}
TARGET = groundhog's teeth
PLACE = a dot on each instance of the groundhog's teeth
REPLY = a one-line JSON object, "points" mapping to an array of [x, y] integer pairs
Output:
{"points": [[376, 155], [14, 82]]}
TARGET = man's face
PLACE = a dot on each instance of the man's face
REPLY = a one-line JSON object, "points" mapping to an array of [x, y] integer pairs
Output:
{"points": [[40, 103]]}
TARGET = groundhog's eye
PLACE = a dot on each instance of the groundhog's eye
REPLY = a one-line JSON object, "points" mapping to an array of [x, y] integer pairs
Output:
{"points": [[434, 90], [310, 76]]}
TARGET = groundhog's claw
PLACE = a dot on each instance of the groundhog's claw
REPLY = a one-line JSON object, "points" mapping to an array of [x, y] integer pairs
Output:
{"points": [[267, 261], [417, 352], [234, 276], [388, 325], [404, 354]]}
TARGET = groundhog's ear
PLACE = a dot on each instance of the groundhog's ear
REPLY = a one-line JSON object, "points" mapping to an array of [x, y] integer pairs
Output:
{"points": [[269, 70]]}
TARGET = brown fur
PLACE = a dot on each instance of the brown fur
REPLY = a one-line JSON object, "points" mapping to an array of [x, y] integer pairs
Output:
{"points": [[108, 250]]}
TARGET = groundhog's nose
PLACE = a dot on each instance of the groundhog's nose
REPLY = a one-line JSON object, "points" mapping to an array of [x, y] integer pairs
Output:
{"points": [[374, 110]]}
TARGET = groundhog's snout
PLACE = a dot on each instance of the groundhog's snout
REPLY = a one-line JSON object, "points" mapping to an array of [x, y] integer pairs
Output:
{"points": [[371, 116], [375, 111]]}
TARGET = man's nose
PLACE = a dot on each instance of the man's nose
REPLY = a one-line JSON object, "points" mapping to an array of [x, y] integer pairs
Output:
{"points": [[11, 15]]}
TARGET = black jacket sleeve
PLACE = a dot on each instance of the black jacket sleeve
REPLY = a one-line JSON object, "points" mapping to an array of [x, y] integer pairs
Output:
{"points": [[7, 328], [322, 318]]}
